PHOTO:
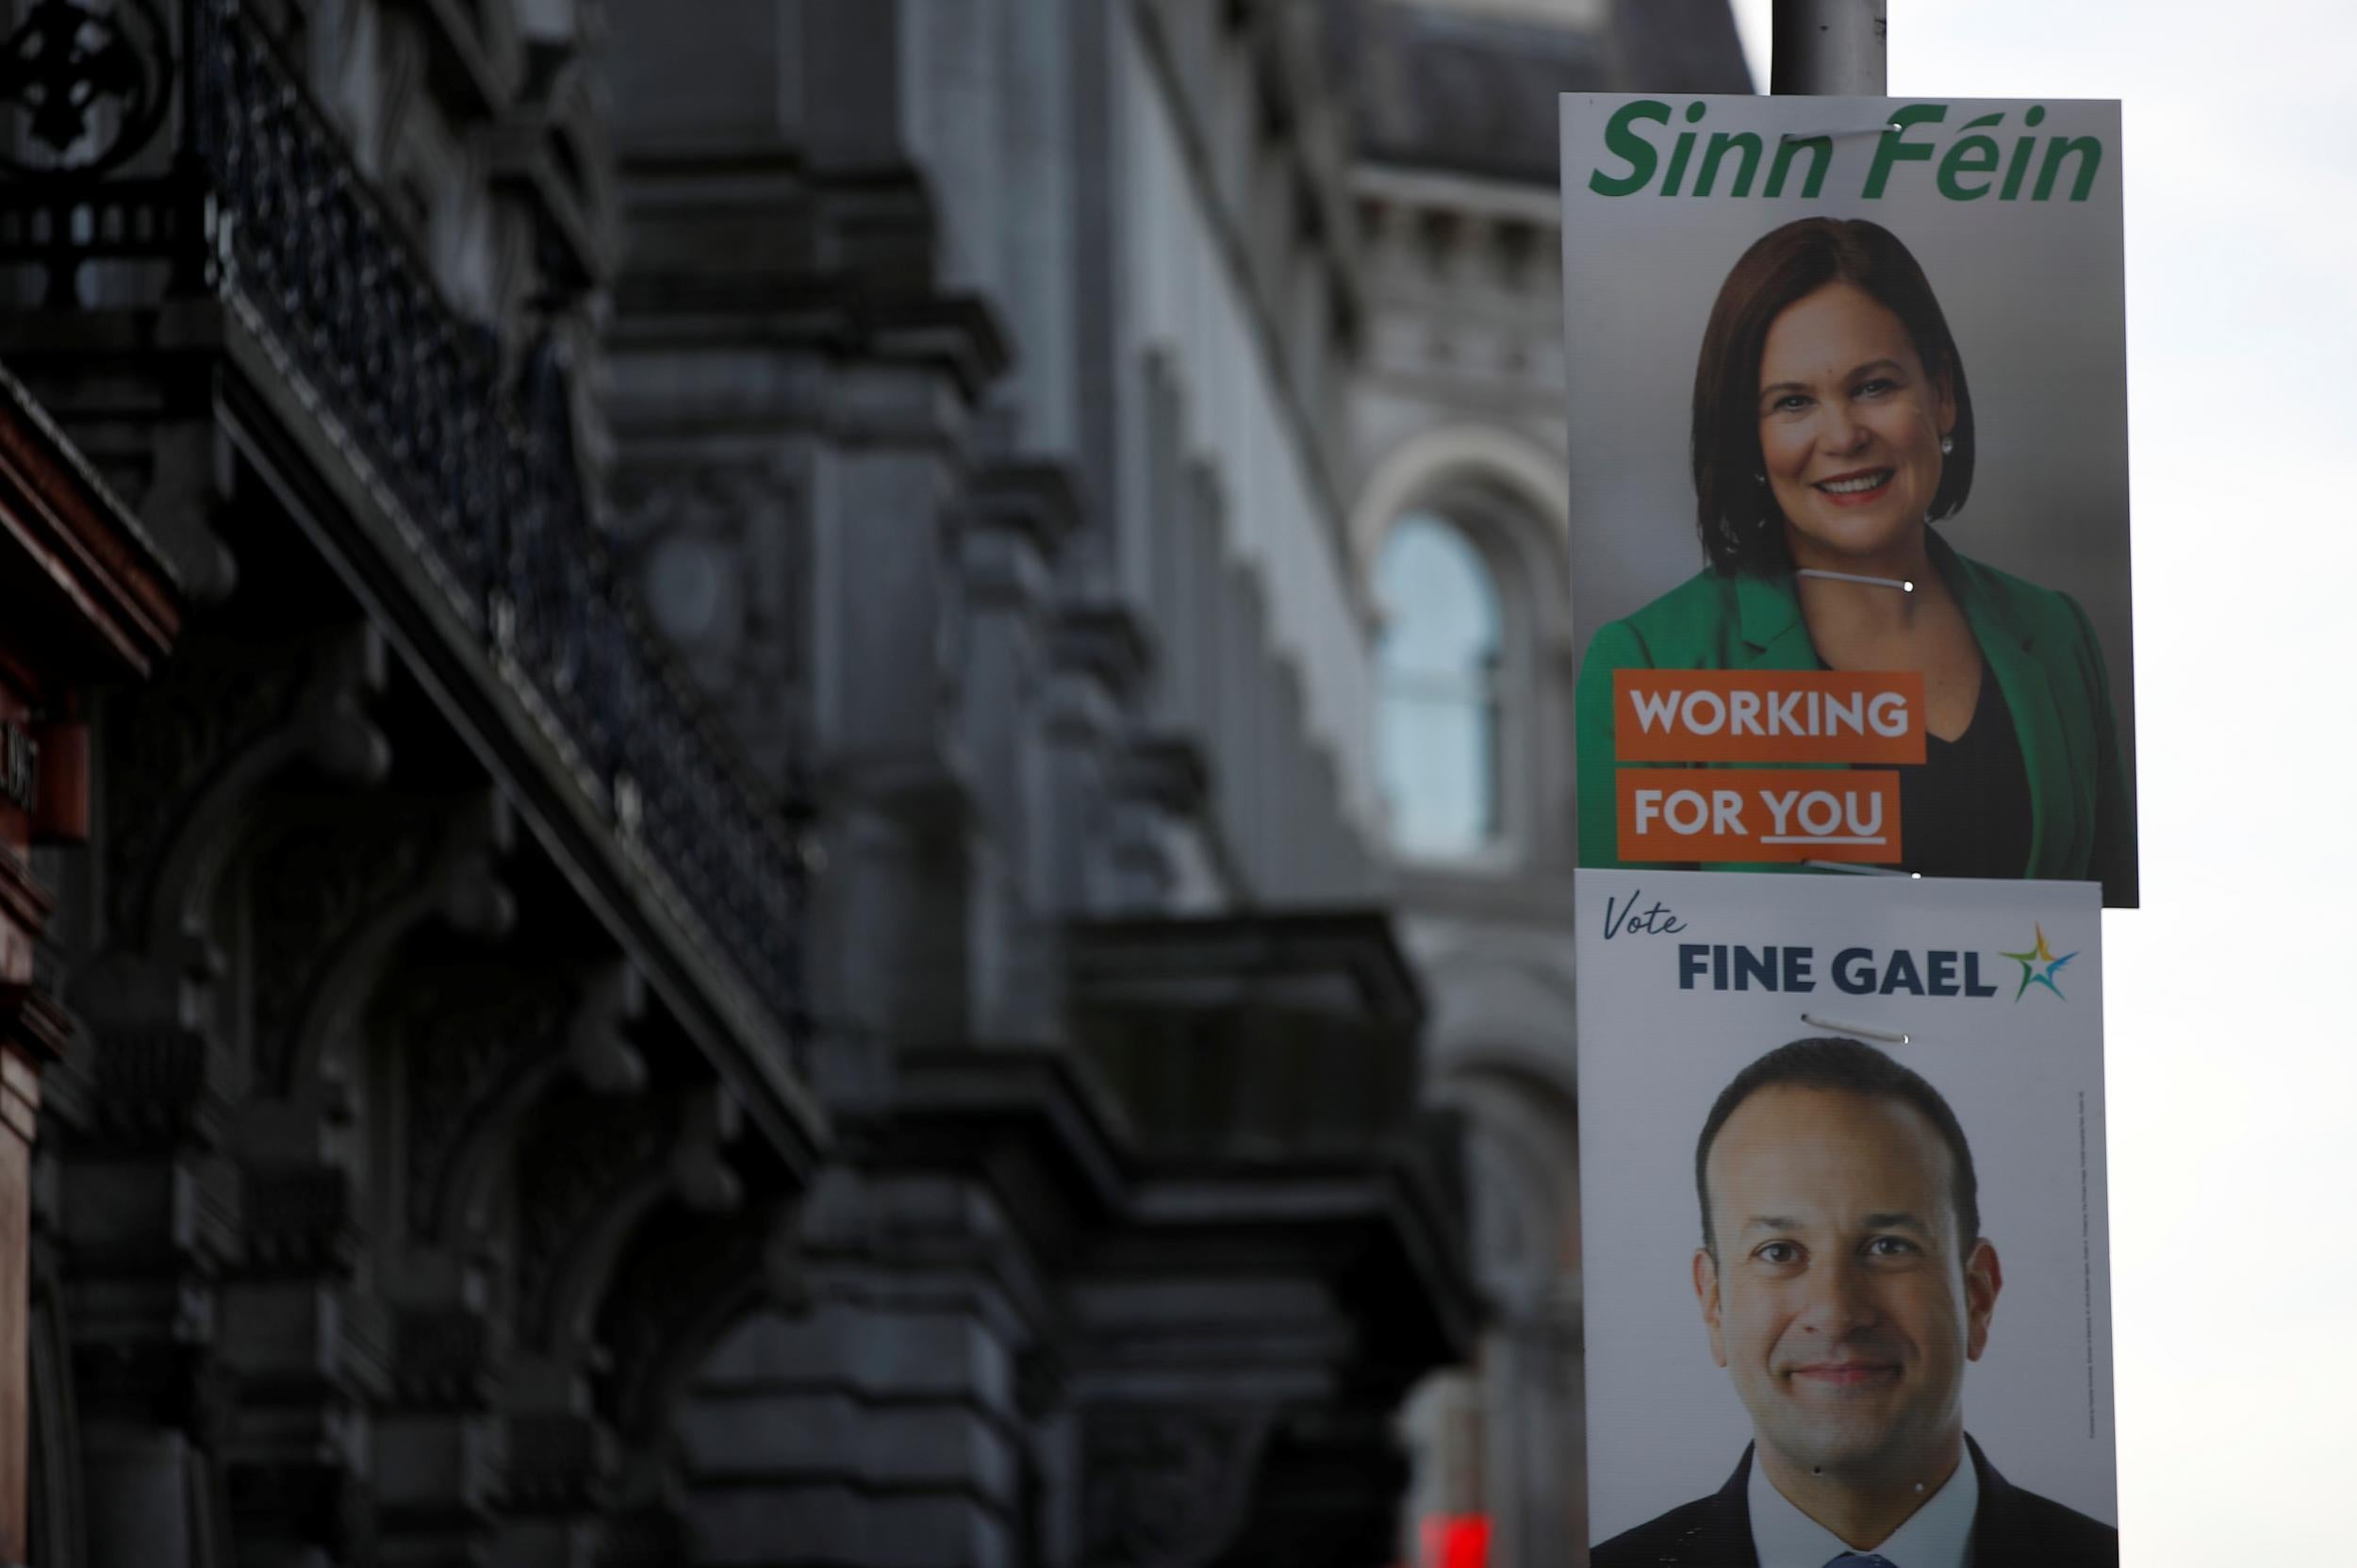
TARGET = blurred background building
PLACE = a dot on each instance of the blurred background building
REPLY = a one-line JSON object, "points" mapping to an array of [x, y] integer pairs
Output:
{"points": [[1458, 516], [855, 847]]}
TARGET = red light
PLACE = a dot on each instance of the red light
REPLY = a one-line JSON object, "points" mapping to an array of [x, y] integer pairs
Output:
{"points": [[1455, 1541]]}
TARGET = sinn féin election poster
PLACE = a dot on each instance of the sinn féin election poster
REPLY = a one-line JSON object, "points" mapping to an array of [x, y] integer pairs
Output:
{"points": [[1849, 476]]}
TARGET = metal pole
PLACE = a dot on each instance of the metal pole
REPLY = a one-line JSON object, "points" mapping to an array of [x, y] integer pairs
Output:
{"points": [[1832, 47]]}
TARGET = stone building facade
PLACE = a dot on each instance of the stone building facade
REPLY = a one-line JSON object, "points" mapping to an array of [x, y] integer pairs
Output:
{"points": [[85, 602], [1456, 436], [756, 919], [740, 929]]}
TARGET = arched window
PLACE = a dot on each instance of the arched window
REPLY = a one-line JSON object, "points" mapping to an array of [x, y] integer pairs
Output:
{"points": [[1437, 681]]}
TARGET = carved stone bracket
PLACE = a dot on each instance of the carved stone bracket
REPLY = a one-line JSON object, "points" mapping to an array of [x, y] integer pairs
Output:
{"points": [[333, 896], [1167, 772], [587, 1171], [152, 1087], [300, 1222], [495, 1071], [1328, 1491], [187, 754], [649, 1537], [288, 1508], [1168, 1487], [679, 1289], [458, 1035], [441, 1360], [580, 1216], [559, 1463], [1021, 516], [1107, 644], [437, 1446]]}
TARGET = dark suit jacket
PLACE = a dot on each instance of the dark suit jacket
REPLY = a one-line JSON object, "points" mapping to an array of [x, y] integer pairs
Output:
{"points": [[2013, 1528]]}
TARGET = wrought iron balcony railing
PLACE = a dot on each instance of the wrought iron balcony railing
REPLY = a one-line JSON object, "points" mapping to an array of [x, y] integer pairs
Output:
{"points": [[263, 206]]}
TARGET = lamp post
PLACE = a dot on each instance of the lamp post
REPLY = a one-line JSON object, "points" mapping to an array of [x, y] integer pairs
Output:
{"points": [[1831, 47]]}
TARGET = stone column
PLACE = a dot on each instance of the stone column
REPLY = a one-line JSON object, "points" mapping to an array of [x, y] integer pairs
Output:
{"points": [[19, 1106], [30, 1030], [83, 600]]}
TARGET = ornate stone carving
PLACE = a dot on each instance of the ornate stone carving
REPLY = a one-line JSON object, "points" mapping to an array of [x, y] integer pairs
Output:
{"points": [[312, 885], [1329, 1489], [701, 1172], [441, 1360], [559, 1464], [598, 1044], [679, 1287], [293, 1510], [459, 1035], [1167, 1488], [184, 755], [161, 739], [471, 1154], [68, 59], [335, 890], [147, 1379], [1042, 1382], [574, 1164], [649, 1537], [300, 1221], [152, 1087], [474, 470]]}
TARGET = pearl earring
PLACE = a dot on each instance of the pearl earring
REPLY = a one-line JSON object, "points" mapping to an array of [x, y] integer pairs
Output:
{"points": [[1947, 446]]}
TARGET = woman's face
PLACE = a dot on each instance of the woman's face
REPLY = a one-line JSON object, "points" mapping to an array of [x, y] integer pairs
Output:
{"points": [[1849, 427]]}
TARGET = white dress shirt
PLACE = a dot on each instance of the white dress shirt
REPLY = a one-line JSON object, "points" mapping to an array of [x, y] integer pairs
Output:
{"points": [[1936, 1535]]}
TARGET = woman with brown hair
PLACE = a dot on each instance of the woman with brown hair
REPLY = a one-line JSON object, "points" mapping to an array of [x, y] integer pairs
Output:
{"points": [[1832, 427]]}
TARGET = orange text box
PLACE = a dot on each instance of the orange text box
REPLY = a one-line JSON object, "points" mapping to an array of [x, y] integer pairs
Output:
{"points": [[1767, 716], [1758, 814]]}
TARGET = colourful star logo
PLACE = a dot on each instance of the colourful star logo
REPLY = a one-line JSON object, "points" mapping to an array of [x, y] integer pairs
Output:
{"points": [[2040, 965]]}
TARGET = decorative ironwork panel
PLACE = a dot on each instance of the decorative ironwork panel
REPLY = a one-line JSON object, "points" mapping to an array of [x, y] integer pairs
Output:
{"points": [[265, 206], [92, 84]]}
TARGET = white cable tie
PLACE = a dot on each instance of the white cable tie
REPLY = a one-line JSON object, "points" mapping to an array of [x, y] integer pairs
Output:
{"points": [[1904, 585], [1901, 1038], [1843, 133], [1855, 869]]}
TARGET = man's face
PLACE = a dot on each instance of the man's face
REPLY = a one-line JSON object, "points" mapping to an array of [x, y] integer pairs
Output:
{"points": [[1842, 1301]]}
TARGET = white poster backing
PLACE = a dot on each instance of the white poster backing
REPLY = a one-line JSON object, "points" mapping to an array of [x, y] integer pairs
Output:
{"points": [[1991, 993]]}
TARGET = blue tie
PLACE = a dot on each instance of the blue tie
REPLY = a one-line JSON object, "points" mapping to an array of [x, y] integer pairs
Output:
{"points": [[1861, 1559]]}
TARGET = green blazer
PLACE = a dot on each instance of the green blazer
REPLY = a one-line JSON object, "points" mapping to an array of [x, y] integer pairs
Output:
{"points": [[2037, 643]]}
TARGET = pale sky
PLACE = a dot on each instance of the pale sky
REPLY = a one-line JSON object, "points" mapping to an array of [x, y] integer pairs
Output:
{"points": [[2232, 1053]]}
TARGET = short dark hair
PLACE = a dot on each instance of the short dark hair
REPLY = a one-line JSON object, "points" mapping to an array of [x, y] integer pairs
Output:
{"points": [[1733, 511], [1851, 1067]]}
